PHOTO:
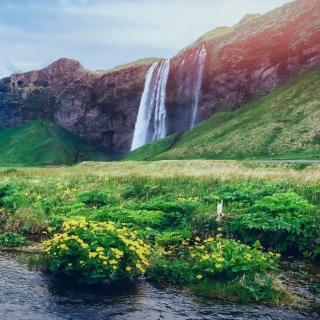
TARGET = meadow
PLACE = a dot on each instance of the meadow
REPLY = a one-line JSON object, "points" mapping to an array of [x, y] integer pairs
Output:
{"points": [[105, 222]]}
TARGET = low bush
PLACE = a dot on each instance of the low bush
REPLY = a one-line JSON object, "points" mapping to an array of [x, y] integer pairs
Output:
{"points": [[96, 252], [71, 209], [12, 239], [204, 225], [213, 259], [97, 198], [176, 213], [246, 193], [6, 190], [255, 287], [136, 218], [170, 270], [285, 222], [228, 258], [173, 237], [141, 188]]}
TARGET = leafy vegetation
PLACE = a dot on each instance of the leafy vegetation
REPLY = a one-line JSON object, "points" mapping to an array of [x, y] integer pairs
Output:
{"points": [[212, 259], [96, 252], [43, 143], [281, 222], [82, 214], [12, 239], [281, 125]]}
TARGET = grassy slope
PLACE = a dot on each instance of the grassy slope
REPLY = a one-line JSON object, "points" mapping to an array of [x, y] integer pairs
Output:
{"points": [[282, 125], [42, 143]]}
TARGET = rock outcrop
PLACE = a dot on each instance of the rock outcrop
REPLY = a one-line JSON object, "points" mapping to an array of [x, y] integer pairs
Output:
{"points": [[242, 63], [100, 107]]}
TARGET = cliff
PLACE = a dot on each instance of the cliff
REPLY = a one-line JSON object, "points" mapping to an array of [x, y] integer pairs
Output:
{"points": [[242, 63], [99, 107], [247, 61]]}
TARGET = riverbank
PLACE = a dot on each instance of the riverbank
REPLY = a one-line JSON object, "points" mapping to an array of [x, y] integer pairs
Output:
{"points": [[268, 210]]}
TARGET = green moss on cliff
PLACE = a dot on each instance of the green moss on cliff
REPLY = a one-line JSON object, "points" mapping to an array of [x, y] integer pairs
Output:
{"points": [[43, 143]]}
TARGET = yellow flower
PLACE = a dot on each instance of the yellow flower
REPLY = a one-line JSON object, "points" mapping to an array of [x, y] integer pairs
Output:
{"points": [[248, 256], [220, 259], [128, 269], [205, 257], [218, 266], [199, 276], [197, 239], [92, 254]]}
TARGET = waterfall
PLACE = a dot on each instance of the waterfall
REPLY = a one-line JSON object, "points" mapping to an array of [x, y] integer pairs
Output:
{"points": [[151, 120], [200, 62]]}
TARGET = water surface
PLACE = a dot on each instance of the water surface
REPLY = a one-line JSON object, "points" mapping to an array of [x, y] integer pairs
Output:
{"points": [[33, 295]]}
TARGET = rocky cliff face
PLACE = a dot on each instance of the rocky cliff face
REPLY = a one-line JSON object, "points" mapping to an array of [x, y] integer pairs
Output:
{"points": [[248, 60], [242, 62], [100, 107]]}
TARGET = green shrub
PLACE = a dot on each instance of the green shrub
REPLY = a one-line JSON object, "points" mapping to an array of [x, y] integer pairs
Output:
{"points": [[6, 190], [246, 193], [96, 252], [138, 218], [97, 198], [71, 209], [12, 239], [285, 222], [174, 271], [228, 258], [50, 203], [255, 287], [213, 259], [173, 237], [176, 213], [141, 188], [204, 225]]}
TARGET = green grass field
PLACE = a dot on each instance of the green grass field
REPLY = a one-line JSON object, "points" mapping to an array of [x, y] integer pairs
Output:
{"points": [[281, 125], [41, 143], [171, 206]]}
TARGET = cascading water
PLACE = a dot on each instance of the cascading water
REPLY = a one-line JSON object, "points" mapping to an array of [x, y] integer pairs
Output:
{"points": [[200, 62], [151, 120]]}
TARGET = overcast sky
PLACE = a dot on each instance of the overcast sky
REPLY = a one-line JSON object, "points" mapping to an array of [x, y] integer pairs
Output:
{"points": [[105, 33]]}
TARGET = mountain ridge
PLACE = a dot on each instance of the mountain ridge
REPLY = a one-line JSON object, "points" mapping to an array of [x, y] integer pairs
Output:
{"points": [[253, 59]]}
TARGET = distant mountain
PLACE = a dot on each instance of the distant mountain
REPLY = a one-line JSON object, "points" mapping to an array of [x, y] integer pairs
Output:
{"points": [[240, 65], [282, 125]]}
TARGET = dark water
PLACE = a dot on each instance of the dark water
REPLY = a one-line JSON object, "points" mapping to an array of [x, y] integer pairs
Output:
{"points": [[32, 295]]}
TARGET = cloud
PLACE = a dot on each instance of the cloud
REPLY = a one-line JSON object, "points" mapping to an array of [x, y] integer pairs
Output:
{"points": [[104, 33]]}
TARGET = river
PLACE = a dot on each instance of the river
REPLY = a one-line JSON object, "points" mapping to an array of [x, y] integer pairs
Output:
{"points": [[33, 295]]}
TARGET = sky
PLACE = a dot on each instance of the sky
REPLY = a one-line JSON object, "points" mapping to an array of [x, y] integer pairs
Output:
{"points": [[105, 33]]}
